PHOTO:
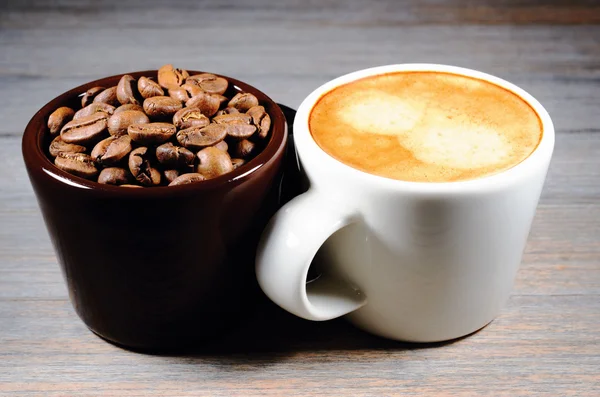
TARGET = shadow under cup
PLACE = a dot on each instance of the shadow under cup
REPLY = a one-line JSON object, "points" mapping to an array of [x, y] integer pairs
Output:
{"points": [[157, 268]]}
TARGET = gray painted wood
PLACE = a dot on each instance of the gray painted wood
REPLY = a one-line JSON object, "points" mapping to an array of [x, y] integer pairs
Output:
{"points": [[546, 342]]}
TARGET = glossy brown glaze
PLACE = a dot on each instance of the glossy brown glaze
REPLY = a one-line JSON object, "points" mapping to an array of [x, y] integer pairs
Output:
{"points": [[160, 268]]}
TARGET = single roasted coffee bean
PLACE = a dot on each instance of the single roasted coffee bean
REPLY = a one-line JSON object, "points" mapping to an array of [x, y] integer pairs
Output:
{"points": [[141, 167], [233, 118], [261, 119], [108, 96], [126, 90], [174, 156], [113, 176], [243, 101], [209, 83], [239, 131], [129, 106], [111, 150], [161, 107], [149, 88], [179, 94], [89, 95], [85, 130], [169, 77], [243, 148], [196, 138], [151, 133], [170, 175], [207, 103], [213, 162], [191, 89], [222, 146], [59, 118], [79, 164], [94, 108], [120, 121], [190, 117], [58, 145], [187, 179], [237, 163], [227, 110]]}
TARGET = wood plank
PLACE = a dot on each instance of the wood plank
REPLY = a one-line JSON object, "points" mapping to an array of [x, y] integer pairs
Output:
{"points": [[354, 13], [279, 354], [557, 64]]}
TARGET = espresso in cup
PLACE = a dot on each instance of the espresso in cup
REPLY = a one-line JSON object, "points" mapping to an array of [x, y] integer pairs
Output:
{"points": [[425, 126]]}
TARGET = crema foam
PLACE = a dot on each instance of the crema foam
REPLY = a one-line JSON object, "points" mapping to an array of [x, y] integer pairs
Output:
{"points": [[425, 126]]}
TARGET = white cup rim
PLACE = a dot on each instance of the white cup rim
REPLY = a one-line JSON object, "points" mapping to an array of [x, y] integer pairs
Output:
{"points": [[309, 151]]}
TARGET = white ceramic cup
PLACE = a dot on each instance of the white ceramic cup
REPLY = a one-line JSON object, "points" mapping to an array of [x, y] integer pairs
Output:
{"points": [[412, 261]]}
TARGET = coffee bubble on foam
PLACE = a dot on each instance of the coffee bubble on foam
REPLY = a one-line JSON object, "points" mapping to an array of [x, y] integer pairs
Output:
{"points": [[377, 112], [456, 142]]}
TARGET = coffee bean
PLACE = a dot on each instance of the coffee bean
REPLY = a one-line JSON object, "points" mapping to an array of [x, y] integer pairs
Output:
{"points": [[190, 117], [191, 89], [243, 148], [111, 150], [227, 110], [89, 95], [79, 164], [161, 107], [213, 162], [149, 88], [179, 94], [233, 118], [120, 121], [58, 145], [113, 176], [187, 179], [151, 133], [222, 146], [108, 96], [207, 103], [196, 138], [170, 175], [239, 131], [197, 78], [209, 83], [169, 77], [129, 106], [59, 118], [127, 90], [237, 163], [175, 156], [141, 167], [94, 108], [85, 130], [261, 119], [243, 101]]}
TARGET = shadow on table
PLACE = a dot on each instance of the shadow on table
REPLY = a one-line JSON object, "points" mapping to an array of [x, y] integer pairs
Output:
{"points": [[270, 334]]}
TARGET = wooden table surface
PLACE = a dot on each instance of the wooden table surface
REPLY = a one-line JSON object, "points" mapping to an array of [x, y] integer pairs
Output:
{"points": [[546, 341]]}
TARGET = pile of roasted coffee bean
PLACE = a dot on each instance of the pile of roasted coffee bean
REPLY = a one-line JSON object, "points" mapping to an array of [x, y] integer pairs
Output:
{"points": [[180, 129]]}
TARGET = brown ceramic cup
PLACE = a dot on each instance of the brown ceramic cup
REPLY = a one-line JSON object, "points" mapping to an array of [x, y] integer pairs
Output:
{"points": [[164, 267]]}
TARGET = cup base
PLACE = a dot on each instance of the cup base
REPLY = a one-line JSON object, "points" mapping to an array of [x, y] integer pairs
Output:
{"points": [[417, 338]]}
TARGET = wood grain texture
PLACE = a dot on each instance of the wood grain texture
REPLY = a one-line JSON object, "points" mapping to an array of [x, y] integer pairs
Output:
{"points": [[547, 340]]}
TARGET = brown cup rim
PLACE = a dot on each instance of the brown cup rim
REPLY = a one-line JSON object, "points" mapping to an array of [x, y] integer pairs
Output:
{"points": [[38, 162]]}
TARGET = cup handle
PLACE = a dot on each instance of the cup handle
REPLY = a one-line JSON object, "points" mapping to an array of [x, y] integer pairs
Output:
{"points": [[285, 252]]}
